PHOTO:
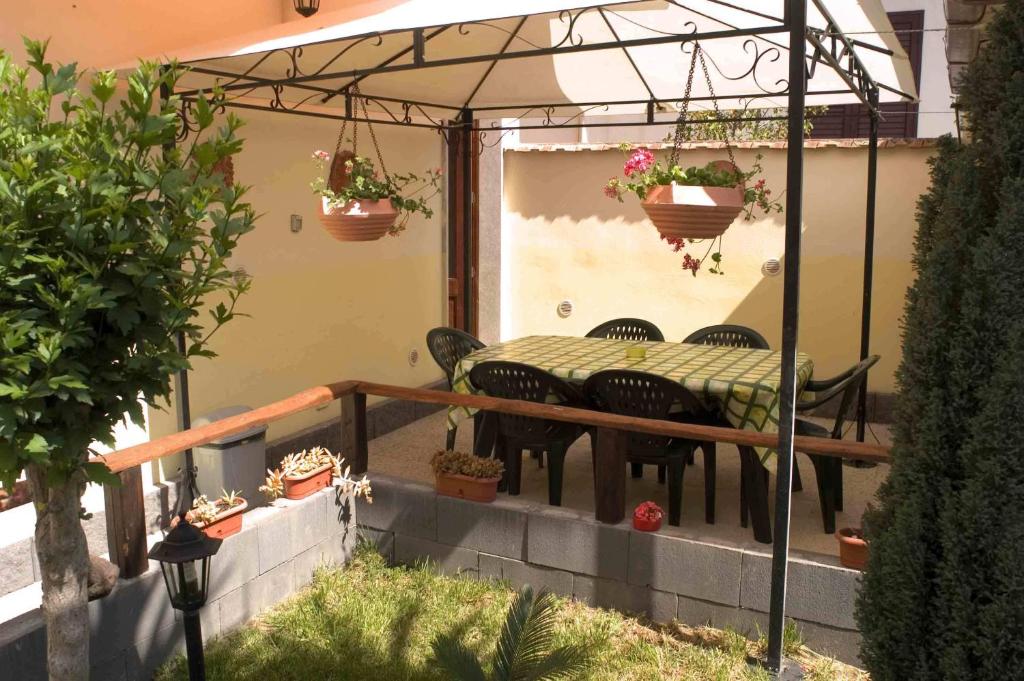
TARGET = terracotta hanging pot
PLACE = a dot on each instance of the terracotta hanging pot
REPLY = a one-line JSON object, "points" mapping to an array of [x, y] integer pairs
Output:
{"points": [[226, 167], [358, 220], [694, 212]]}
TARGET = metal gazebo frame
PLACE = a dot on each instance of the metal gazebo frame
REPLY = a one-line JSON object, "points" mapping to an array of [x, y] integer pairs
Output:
{"points": [[831, 49]]}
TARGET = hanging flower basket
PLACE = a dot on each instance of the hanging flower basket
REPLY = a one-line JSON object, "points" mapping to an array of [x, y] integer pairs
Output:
{"points": [[358, 220], [694, 212], [363, 202]]}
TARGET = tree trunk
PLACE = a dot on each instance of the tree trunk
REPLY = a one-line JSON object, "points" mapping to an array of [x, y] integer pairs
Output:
{"points": [[64, 564]]}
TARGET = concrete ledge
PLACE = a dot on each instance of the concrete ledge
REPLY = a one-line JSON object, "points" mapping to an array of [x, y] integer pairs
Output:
{"points": [[498, 528], [574, 541], [134, 630]]}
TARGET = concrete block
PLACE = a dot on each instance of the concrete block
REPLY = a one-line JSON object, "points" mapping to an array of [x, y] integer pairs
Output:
{"points": [[136, 609], [698, 613], [112, 669], [338, 548], [689, 568], [148, 654], [498, 528], [842, 644], [384, 542], [575, 542], [250, 599], [517, 573], [237, 562], [291, 527], [659, 606], [402, 507], [450, 560], [818, 591], [304, 565], [23, 647], [16, 566]]}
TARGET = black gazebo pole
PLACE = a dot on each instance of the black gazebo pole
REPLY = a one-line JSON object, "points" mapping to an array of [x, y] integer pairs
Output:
{"points": [[869, 257], [796, 20], [467, 220], [188, 489]]}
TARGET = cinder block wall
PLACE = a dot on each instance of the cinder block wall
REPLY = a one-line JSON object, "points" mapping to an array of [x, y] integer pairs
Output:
{"points": [[664, 576], [134, 629]]}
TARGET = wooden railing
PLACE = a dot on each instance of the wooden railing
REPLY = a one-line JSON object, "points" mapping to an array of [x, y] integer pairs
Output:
{"points": [[126, 527]]}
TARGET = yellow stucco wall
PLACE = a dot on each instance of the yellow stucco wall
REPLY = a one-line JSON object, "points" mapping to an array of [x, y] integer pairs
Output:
{"points": [[320, 310], [564, 240]]}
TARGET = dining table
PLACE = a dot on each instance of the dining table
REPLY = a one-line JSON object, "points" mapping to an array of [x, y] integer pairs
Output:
{"points": [[742, 384]]}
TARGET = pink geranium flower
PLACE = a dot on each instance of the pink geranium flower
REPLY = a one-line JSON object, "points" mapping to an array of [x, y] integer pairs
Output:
{"points": [[320, 155], [638, 162]]}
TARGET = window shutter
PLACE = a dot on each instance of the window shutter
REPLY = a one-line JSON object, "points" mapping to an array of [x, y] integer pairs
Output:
{"points": [[851, 120]]}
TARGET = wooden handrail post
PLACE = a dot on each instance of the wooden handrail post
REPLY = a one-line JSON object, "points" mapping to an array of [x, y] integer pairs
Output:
{"points": [[610, 475], [354, 445], [126, 523]]}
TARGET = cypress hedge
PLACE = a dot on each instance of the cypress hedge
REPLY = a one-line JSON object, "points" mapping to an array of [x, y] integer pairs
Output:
{"points": [[943, 594]]}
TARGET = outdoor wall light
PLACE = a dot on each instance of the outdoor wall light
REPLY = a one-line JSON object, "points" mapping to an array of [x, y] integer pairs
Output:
{"points": [[184, 557], [306, 8]]}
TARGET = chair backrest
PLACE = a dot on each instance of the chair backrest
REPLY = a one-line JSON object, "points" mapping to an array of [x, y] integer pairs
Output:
{"points": [[643, 395], [515, 381], [627, 329], [846, 388], [730, 335], [447, 346]]}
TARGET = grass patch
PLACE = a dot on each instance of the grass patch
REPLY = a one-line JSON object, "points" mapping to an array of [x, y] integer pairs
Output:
{"points": [[372, 621]]}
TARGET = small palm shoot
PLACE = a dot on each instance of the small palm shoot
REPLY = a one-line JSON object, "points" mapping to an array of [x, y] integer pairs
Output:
{"points": [[524, 650]]}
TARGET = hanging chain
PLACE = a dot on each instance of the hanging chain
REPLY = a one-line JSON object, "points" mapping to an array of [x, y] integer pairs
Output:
{"points": [[373, 138], [685, 106], [681, 119]]}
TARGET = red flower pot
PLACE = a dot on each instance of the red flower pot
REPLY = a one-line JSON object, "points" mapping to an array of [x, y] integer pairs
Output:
{"points": [[227, 522], [301, 486], [853, 549], [466, 487], [693, 212], [358, 220], [647, 517]]}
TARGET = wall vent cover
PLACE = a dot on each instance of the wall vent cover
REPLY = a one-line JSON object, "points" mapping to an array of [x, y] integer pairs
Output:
{"points": [[771, 267], [565, 308]]}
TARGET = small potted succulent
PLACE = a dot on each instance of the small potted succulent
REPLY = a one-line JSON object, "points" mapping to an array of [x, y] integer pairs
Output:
{"points": [[647, 517], [303, 473], [358, 203], [218, 518], [466, 476], [853, 547], [695, 203]]}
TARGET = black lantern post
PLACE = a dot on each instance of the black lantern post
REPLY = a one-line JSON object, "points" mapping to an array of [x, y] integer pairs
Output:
{"points": [[184, 557], [306, 8]]}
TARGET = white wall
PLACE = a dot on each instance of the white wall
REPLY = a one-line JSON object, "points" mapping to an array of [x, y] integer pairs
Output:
{"points": [[934, 92]]}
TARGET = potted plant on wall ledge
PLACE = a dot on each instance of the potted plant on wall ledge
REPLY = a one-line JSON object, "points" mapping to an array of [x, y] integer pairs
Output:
{"points": [[311, 470], [219, 518], [466, 476]]}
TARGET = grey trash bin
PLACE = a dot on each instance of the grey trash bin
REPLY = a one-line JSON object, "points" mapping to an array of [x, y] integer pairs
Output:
{"points": [[235, 462]]}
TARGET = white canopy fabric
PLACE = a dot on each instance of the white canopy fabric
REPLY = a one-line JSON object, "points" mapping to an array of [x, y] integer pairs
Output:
{"points": [[561, 58]]}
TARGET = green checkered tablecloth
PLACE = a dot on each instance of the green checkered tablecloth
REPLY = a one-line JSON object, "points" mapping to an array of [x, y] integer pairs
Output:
{"points": [[745, 382]]}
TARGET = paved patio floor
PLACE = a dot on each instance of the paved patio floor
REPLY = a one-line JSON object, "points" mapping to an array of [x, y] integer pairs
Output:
{"points": [[406, 453]]}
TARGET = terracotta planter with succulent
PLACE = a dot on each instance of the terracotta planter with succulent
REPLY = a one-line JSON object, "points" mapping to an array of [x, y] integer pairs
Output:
{"points": [[853, 547], [219, 518], [311, 470], [466, 476]]}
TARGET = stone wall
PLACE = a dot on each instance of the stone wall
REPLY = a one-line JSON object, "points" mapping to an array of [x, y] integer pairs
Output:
{"points": [[664, 576], [134, 629]]}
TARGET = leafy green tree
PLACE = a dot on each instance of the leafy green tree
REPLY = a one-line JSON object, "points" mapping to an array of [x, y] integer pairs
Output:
{"points": [[524, 650], [111, 239], [941, 597]]}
